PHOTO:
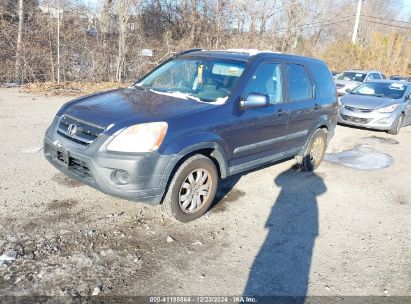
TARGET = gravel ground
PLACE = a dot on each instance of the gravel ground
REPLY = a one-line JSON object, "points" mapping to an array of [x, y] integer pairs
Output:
{"points": [[276, 231]]}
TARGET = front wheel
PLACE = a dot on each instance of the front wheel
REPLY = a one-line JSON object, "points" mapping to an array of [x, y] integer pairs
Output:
{"points": [[396, 128], [192, 189], [314, 151]]}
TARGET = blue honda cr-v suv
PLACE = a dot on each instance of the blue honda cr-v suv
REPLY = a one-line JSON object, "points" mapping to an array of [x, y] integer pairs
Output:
{"points": [[198, 117]]}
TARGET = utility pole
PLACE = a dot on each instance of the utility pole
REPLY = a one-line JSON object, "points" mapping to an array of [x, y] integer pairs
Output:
{"points": [[357, 22]]}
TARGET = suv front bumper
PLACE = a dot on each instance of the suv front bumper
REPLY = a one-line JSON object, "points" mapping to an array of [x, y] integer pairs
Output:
{"points": [[143, 176]]}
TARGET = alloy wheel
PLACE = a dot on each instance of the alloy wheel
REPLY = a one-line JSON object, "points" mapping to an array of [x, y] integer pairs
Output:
{"points": [[317, 150], [195, 190]]}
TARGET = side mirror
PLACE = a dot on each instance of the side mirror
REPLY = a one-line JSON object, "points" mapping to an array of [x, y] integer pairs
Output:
{"points": [[254, 101], [348, 91]]}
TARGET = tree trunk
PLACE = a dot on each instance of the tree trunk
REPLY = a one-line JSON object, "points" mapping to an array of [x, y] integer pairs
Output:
{"points": [[17, 74], [123, 9]]}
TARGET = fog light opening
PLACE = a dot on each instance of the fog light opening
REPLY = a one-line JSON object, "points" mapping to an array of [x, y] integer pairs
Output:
{"points": [[121, 177], [386, 120]]}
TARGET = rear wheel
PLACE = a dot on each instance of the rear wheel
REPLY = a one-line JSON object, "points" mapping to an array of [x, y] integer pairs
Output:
{"points": [[314, 152], [192, 189], [396, 128]]}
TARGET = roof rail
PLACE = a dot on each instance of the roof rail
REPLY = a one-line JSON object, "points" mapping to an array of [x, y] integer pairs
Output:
{"points": [[187, 51]]}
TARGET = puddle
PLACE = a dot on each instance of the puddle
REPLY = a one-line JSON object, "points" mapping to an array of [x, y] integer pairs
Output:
{"points": [[362, 158], [66, 181], [380, 140]]}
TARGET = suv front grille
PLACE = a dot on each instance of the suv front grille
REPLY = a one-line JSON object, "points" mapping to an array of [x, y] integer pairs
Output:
{"points": [[360, 110], [79, 131]]}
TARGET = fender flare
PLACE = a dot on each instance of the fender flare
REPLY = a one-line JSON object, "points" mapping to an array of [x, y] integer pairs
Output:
{"points": [[187, 145]]}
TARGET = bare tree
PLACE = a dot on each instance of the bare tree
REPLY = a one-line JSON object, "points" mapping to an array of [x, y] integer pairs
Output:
{"points": [[123, 11], [104, 43], [17, 75]]}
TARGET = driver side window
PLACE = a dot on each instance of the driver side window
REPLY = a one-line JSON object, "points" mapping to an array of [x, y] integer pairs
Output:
{"points": [[266, 80]]}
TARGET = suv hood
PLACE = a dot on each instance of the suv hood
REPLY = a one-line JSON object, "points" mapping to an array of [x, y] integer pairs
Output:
{"points": [[132, 104], [367, 101]]}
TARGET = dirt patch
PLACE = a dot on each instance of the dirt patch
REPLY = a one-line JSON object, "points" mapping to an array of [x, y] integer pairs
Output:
{"points": [[70, 88], [402, 200], [226, 196], [61, 204], [64, 180], [380, 140]]}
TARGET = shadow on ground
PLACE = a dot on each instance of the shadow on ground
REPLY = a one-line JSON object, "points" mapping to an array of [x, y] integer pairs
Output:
{"points": [[282, 265]]}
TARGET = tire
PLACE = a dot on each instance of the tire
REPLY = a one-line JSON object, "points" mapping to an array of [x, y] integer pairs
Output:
{"points": [[311, 158], [188, 183], [396, 128]]}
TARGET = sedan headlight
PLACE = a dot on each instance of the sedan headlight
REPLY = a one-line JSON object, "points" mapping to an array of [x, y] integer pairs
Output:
{"points": [[389, 109], [139, 138]]}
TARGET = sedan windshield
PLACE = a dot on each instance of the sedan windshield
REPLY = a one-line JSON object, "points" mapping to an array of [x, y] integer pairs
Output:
{"points": [[202, 79], [381, 89], [352, 76]]}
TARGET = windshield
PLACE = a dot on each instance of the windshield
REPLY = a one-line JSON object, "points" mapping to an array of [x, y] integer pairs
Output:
{"points": [[381, 89], [204, 79], [352, 76]]}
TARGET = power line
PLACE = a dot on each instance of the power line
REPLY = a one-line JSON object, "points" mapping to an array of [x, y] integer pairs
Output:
{"points": [[387, 24], [320, 23], [317, 24], [400, 21]]}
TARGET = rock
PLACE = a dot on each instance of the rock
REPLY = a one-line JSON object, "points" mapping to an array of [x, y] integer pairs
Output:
{"points": [[92, 232], [170, 239], [97, 289], [198, 243], [8, 258], [17, 280]]}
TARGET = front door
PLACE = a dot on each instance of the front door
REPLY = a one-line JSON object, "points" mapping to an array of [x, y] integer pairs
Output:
{"points": [[256, 134]]}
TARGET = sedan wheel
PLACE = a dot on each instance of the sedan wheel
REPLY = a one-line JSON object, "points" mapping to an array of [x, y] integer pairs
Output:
{"points": [[396, 128]]}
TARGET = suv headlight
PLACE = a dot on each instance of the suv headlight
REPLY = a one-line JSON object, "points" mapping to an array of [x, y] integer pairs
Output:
{"points": [[389, 109], [145, 137]]}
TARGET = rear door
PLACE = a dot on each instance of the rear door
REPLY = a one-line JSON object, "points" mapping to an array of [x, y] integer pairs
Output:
{"points": [[259, 133], [304, 110]]}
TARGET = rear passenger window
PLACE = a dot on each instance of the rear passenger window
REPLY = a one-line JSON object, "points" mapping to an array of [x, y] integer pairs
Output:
{"points": [[376, 76], [300, 86], [266, 80]]}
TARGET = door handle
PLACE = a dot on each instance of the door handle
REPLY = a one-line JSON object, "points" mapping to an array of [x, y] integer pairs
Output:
{"points": [[280, 112], [316, 106]]}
